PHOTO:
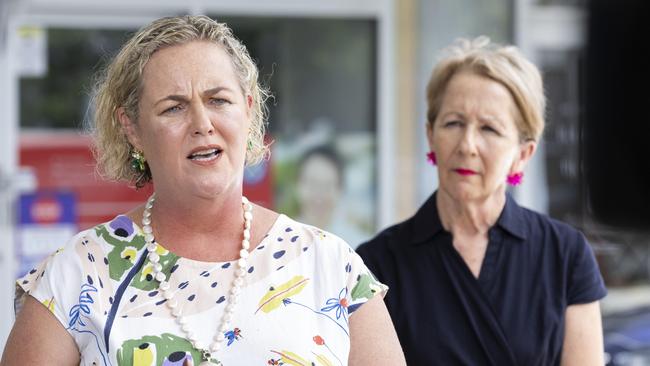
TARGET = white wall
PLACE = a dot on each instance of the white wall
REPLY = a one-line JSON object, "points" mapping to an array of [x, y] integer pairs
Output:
{"points": [[8, 158]]}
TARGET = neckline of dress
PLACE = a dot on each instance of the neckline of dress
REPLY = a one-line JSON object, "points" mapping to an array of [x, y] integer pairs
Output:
{"points": [[198, 263]]}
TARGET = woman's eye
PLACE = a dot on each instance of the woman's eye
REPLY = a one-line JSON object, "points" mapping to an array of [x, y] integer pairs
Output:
{"points": [[219, 101], [452, 123], [489, 129], [172, 109]]}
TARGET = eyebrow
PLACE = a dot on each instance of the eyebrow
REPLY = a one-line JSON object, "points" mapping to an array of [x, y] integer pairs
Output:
{"points": [[183, 98], [493, 119], [489, 118]]}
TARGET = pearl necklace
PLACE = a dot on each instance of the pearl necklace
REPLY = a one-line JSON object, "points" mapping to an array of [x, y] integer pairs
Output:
{"points": [[206, 352]]}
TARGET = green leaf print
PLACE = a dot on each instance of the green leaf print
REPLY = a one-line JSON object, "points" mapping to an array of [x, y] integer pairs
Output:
{"points": [[143, 351], [365, 288], [124, 255]]}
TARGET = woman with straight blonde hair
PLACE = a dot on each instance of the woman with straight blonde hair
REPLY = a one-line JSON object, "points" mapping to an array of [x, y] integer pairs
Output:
{"points": [[475, 278]]}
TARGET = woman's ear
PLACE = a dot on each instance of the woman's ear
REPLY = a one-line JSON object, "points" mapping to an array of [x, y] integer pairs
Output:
{"points": [[129, 128], [249, 105], [526, 151]]}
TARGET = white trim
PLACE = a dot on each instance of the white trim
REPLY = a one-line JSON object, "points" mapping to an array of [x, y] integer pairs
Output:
{"points": [[8, 168], [157, 8], [386, 120]]}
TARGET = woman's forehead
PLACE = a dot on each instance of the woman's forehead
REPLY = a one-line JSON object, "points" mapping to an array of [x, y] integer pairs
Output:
{"points": [[186, 68]]}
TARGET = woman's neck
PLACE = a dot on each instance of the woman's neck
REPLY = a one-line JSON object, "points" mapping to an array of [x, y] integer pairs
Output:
{"points": [[189, 225], [469, 218]]}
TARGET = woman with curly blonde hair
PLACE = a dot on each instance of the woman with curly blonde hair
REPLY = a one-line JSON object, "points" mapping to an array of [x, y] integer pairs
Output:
{"points": [[198, 274]]}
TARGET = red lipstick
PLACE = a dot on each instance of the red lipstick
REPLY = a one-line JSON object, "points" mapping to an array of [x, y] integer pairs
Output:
{"points": [[465, 171]]}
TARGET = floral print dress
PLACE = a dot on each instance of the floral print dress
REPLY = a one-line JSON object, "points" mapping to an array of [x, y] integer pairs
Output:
{"points": [[302, 286]]}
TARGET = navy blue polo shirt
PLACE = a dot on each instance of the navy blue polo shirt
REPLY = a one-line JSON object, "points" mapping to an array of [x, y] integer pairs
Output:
{"points": [[513, 314]]}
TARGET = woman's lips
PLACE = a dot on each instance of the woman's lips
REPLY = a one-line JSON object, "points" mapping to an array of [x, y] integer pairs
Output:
{"points": [[465, 171]]}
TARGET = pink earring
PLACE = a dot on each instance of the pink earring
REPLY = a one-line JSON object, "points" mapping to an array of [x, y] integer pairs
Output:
{"points": [[515, 178], [431, 158]]}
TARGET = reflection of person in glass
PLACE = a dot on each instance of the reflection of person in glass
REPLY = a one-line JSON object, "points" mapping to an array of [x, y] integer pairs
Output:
{"points": [[319, 185], [320, 188], [207, 278], [476, 279]]}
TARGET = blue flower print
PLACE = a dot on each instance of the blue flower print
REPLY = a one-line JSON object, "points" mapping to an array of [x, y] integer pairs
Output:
{"points": [[340, 304]]}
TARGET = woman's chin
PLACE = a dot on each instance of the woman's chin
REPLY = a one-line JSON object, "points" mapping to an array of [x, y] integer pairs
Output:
{"points": [[463, 192]]}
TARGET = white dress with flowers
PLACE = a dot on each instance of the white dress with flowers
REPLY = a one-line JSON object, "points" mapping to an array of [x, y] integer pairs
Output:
{"points": [[302, 286]]}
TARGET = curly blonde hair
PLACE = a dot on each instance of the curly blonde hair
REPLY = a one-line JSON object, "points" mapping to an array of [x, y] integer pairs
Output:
{"points": [[503, 64], [120, 85]]}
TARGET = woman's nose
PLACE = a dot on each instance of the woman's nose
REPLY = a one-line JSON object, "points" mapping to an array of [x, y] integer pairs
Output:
{"points": [[201, 123], [468, 141]]}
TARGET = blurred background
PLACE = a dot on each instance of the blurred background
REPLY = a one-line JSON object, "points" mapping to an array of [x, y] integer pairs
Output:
{"points": [[347, 121]]}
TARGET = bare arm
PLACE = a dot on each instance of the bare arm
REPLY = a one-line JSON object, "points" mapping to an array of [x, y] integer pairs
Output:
{"points": [[373, 340], [583, 339], [38, 338]]}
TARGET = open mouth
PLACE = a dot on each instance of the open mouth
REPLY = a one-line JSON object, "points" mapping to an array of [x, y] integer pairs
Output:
{"points": [[204, 155]]}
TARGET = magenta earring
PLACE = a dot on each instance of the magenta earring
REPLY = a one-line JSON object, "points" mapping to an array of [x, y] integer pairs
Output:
{"points": [[431, 158], [515, 179]]}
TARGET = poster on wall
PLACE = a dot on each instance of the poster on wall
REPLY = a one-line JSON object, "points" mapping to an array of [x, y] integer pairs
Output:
{"points": [[46, 222]]}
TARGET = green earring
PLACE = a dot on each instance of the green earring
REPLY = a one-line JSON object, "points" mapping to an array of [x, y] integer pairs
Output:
{"points": [[138, 160], [249, 145]]}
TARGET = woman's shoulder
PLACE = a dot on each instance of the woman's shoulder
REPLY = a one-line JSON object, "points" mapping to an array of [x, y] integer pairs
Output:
{"points": [[540, 224], [548, 234]]}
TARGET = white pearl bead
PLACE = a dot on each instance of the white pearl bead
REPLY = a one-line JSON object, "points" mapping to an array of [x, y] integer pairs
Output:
{"points": [[248, 215], [243, 253], [234, 300], [160, 277], [238, 281], [168, 295], [227, 317], [157, 267], [147, 229], [241, 272], [149, 239], [241, 262], [164, 285], [185, 328], [234, 290], [220, 337], [146, 220], [199, 346], [176, 311], [246, 244], [214, 346], [230, 308], [171, 303], [154, 257], [152, 247], [181, 320], [223, 328], [247, 234], [191, 336], [244, 199]]}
